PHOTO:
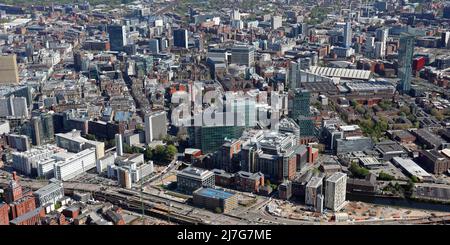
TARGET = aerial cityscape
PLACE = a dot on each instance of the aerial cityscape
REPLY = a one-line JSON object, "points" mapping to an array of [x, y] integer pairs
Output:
{"points": [[230, 112]]}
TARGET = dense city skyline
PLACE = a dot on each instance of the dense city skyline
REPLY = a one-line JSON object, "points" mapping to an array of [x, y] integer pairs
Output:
{"points": [[282, 112]]}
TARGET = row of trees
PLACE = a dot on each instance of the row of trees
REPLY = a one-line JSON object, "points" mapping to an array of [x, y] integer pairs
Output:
{"points": [[161, 153]]}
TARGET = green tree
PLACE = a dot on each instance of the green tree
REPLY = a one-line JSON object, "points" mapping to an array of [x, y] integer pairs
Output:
{"points": [[159, 153], [437, 114], [127, 149], [170, 152], [405, 109], [148, 154], [136, 149], [414, 179], [90, 137], [357, 171], [385, 176], [360, 109], [110, 143], [218, 210]]}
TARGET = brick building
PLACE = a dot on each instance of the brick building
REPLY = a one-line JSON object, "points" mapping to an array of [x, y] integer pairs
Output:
{"points": [[434, 162], [250, 182], [31, 218], [4, 210]]}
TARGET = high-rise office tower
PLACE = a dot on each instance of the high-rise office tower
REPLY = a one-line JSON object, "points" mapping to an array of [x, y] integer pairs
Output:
{"points": [[154, 46], [9, 73], [301, 113], [446, 11], [405, 55], [277, 22], [445, 39], [382, 36], [294, 68], [235, 15], [305, 29], [119, 145], [117, 37], [155, 126], [180, 38], [347, 35]]}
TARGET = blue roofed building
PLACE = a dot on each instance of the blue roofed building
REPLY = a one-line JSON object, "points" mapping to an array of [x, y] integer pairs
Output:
{"points": [[215, 199]]}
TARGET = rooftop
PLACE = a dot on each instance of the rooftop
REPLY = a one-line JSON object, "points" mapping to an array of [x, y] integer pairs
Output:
{"points": [[213, 193], [194, 172], [336, 176], [54, 186], [26, 216], [341, 72], [314, 182], [411, 167]]}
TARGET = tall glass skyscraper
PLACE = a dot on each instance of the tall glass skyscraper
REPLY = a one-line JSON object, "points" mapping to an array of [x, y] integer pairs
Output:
{"points": [[405, 56], [180, 38], [117, 37], [347, 35], [301, 112]]}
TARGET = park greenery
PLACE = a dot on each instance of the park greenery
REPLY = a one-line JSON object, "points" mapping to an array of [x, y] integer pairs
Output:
{"points": [[358, 171], [384, 176], [161, 153]]}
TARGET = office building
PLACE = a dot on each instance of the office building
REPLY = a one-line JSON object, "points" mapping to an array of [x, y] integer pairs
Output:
{"points": [[382, 35], [153, 46], [273, 154], [301, 113], [119, 145], [210, 138], [434, 162], [124, 178], [27, 162], [19, 142], [445, 39], [155, 126], [191, 179], [117, 37], [285, 190], [235, 15], [69, 166], [243, 55], [277, 22], [312, 190], [4, 127], [73, 142], [129, 168], [446, 11], [50, 193], [215, 199], [405, 56], [41, 129], [9, 73], [352, 144], [335, 191], [14, 107], [249, 182], [180, 38], [347, 35]]}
